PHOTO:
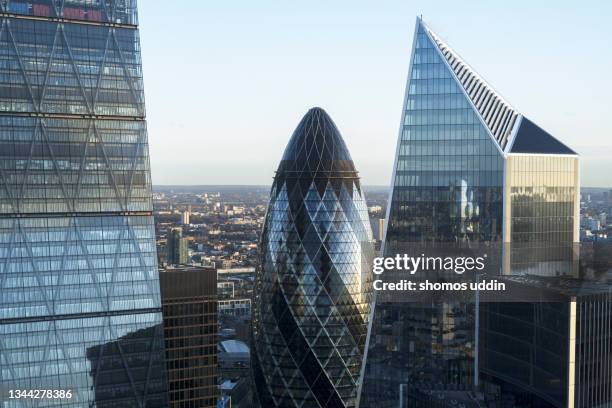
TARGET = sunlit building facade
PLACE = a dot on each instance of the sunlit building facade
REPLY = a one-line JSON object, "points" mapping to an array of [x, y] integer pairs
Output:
{"points": [[313, 291], [79, 291], [470, 172]]}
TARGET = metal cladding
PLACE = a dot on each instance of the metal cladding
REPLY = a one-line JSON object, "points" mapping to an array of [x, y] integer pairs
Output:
{"points": [[314, 287], [497, 114]]}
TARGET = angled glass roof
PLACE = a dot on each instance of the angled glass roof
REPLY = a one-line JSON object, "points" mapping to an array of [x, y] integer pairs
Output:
{"points": [[530, 138], [316, 146], [499, 117]]}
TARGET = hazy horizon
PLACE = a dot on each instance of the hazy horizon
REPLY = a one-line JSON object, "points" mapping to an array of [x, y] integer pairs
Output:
{"points": [[369, 186], [227, 83]]}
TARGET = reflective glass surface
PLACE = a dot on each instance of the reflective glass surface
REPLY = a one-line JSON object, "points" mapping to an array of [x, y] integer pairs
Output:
{"points": [[70, 69], [313, 291], [527, 344], [60, 165], [594, 361], [76, 265], [79, 292], [447, 189], [103, 360], [449, 173], [111, 11], [543, 194]]}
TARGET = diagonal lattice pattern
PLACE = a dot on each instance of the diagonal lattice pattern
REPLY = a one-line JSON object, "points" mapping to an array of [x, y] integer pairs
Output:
{"points": [[82, 164], [101, 11], [79, 292], [314, 287]]}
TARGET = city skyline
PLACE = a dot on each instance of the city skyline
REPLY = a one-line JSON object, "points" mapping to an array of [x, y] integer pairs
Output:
{"points": [[239, 280], [250, 61]]}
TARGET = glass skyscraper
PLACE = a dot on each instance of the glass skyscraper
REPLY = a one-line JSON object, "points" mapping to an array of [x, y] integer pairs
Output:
{"points": [[313, 290], [471, 172], [79, 290]]}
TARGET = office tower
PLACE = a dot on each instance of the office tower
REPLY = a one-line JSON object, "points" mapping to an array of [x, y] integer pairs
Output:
{"points": [[189, 302], [313, 290], [177, 247], [79, 294], [549, 354], [470, 171]]}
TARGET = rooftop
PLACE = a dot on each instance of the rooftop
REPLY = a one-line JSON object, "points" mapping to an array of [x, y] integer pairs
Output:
{"points": [[512, 132]]}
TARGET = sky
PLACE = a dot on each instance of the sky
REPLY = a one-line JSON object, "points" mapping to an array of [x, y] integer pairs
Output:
{"points": [[226, 82]]}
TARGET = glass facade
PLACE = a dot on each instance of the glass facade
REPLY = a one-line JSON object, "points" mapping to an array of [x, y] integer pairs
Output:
{"points": [[526, 344], [447, 190], [593, 334], [121, 12], [470, 171], [542, 214], [449, 173], [177, 251], [189, 300], [313, 290], [79, 292], [549, 354]]}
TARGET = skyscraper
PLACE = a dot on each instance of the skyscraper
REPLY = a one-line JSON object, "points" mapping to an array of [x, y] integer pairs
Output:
{"points": [[176, 247], [313, 289], [79, 293], [552, 353], [470, 170]]}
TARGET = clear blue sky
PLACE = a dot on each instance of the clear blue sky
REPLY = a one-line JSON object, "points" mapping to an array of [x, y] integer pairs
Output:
{"points": [[227, 81]]}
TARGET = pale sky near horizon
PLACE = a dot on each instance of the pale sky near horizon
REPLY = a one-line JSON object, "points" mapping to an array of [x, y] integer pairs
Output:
{"points": [[226, 82]]}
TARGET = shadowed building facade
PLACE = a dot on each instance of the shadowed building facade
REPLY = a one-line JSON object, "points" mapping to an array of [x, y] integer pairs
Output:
{"points": [[177, 250], [313, 290], [189, 301], [79, 292]]}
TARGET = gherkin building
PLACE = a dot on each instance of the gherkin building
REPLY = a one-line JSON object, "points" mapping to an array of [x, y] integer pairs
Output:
{"points": [[314, 286]]}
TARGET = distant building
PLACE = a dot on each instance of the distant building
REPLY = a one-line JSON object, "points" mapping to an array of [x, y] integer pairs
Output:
{"points": [[603, 219], [233, 354], [185, 217], [189, 302], [176, 247], [225, 290], [235, 393], [375, 209], [235, 307], [377, 225]]}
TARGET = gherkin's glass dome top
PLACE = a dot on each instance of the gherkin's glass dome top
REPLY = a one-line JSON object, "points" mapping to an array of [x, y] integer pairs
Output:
{"points": [[314, 286]]}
